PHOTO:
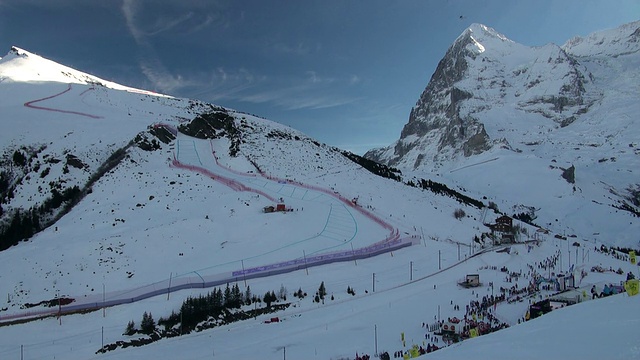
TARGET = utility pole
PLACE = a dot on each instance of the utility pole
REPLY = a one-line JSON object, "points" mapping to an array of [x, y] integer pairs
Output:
{"points": [[306, 268], [244, 275], [439, 260], [169, 289], [354, 255], [104, 311], [458, 251], [375, 330], [560, 259], [411, 271], [374, 282], [59, 309], [102, 338]]}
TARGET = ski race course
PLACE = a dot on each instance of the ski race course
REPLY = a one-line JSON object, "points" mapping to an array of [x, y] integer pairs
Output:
{"points": [[29, 104], [338, 241]]}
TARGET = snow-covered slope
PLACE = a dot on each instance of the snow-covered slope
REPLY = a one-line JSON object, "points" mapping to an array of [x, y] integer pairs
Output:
{"points": [[95, 168], [138, 193], [22, 66], [504, 120]]}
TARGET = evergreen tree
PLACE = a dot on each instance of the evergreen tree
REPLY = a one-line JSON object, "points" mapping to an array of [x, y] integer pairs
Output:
{"points": [[267, 299], [282, 293], [218, 299], [19, 158], [148, 325], [131, 328], [248, 296], [236, 296], [322, 292], [227, 297]]}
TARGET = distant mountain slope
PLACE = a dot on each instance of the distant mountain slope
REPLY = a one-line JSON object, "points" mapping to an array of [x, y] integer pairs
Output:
{"points": [[88, 173], [508, 121], [22, 66], [127, 193]]}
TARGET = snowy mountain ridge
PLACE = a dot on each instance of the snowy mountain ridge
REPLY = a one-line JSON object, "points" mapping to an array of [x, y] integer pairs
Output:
{"points": [[527, 114], [624, 40], [20, 65], [142, 193], [77, 157]]}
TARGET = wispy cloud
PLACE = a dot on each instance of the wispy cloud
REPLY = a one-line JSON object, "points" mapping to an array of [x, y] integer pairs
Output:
{"points": [[208, 20], [315, 78], [308, 90], [150, 63], [129, 10], [163, 24], [221, 83], [287, 49], [302, 94]]}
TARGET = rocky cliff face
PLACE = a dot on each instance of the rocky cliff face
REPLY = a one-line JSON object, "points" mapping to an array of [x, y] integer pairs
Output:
{"points": [[550, 128], [484, 76]]}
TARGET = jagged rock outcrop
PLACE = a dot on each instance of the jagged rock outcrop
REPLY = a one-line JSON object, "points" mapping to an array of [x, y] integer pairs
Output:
{"points": [[482, 78], [497, 117]]}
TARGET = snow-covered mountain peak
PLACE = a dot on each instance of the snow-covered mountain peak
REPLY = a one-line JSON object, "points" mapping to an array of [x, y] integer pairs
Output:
{"points": [[622, 40], [19, 52], [20, 65], [118, 187], [478, 37], [494, 101], [483, 33]]}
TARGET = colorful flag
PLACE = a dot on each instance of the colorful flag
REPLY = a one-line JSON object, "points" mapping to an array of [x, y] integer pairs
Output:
{"points": [[631, 286], [632, 257]]}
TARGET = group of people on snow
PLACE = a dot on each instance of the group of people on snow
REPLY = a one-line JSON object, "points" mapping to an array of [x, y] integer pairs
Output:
{"points": [[609, 289]]}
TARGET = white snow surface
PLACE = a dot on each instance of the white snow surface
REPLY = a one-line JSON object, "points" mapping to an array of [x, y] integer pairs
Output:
{"points": [[513, 87], [148, 221]]}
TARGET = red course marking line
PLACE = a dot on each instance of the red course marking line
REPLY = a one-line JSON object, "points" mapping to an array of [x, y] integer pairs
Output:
{"points": [[29, 104]]}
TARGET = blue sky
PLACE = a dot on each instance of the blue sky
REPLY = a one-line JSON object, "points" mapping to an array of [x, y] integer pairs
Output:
{"points": [[344, 72]]}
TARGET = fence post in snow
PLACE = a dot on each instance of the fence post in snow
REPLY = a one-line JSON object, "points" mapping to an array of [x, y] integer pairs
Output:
{"points": [[411, 271], [104, 314], [374, 282], [354, 255], [375, 329]]}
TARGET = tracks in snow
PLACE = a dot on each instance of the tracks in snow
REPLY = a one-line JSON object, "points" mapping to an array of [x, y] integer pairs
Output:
{"points": [[30, 105]]}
